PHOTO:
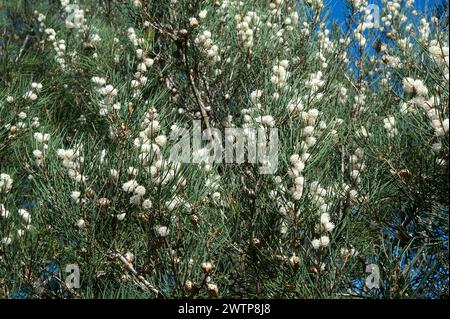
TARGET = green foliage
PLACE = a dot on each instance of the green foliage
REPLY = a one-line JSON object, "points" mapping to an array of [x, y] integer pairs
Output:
{"points": [[375, 160]]}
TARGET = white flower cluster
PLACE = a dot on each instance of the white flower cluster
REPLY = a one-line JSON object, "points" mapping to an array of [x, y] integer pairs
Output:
{"points": [[177, 201], [315, 82], [144, 63], [266, 120], [424, 30], [149, 144], [298, 161], [5, 183], [132, 36], [93, 41], [417, 87], [75, 15], [26, 216], [439, 125], [41, 20], [252, 116], [246, 27], [280, 74], [108, 94], [389, 125], [291, 21], [359, 36], [210, 50], [318, 197], [51, 34], [357, 165], [440, 55], [4, 213], [295, 106], [72, 160], [296, 173], [343, 95], [309, 131], [38, 153], [32, 94], [138, 191], [393, 13], [360, 101], [58, 46]]}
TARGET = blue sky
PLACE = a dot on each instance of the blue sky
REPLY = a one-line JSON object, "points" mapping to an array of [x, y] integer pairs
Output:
{"points": [[338, 8]]}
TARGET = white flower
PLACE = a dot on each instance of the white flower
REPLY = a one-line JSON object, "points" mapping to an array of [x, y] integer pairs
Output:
{"points": [[130, 186], [4, 213], [315, 243], [299, 181], [324, 241], [132, 170], [140, 190], [411, 85], [40, 137], [75, 195], [308, 131], [162, 231], [445, 125], [81, 223], [135, 200], [202, 15], [98, 80], [255, 95], [149, 62], [147, 204], [121, 217], [314, 113], [329, 226], [408, 85], [6, 241], [142, 67], [161, 140], [129, 256], [37, 154], [193, 22], [325, 218], [420, 88], [25, 215], [267, 120], [294, 159], [5, 183], [295, 105]]}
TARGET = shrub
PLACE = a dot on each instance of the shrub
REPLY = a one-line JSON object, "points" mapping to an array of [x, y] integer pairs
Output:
{"points": [[95, 96]]}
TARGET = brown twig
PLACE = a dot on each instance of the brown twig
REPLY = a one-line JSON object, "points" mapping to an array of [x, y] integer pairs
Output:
{"points": [[131, 269]]}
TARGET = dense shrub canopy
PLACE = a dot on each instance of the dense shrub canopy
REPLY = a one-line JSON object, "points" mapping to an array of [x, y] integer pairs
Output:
{"points": [[95, 93]]}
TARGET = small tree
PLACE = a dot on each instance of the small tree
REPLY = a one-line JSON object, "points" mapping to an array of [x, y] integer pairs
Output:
{"points": [[96, 95]]}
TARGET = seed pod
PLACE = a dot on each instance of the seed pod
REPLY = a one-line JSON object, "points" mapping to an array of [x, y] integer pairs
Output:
{"points": [[194, 219], [212, 289], [188, 285], [207, 267]]}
